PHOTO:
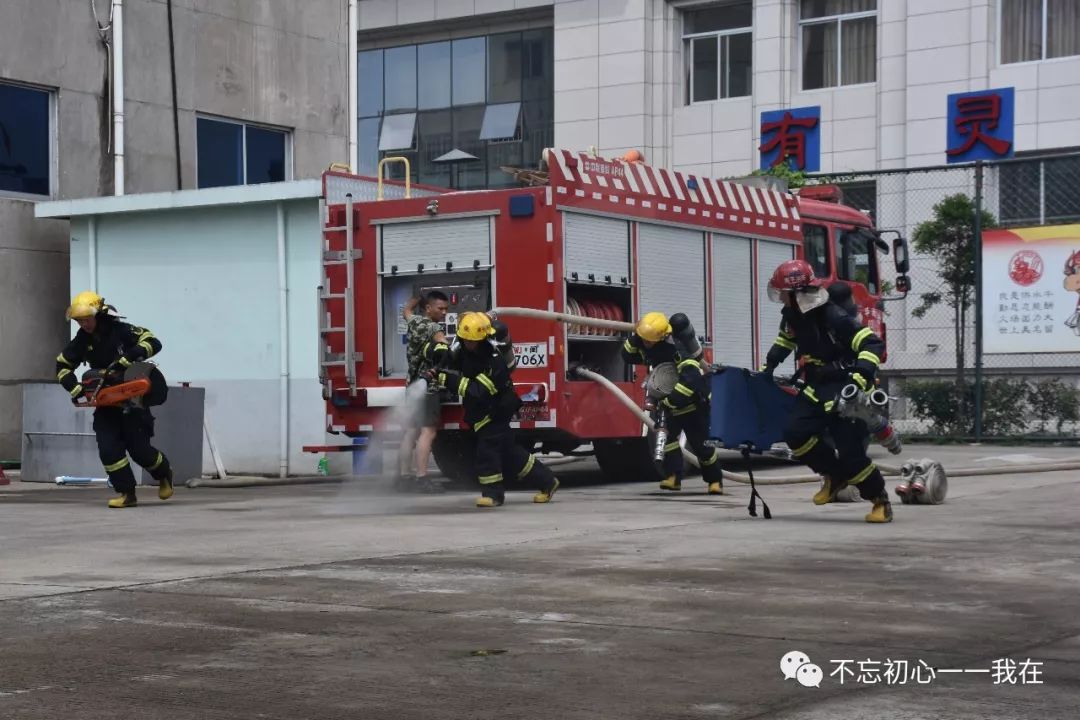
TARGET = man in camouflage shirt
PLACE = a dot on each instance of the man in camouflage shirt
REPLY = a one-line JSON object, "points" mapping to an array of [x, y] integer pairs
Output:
{"points": [[423, 316]]}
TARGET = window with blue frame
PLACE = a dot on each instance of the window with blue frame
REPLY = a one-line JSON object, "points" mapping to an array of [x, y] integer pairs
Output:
{"points": [[25, 140], [236, 153], [490, 96]]}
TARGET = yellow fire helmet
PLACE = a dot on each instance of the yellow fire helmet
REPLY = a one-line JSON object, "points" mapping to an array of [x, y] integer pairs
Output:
{"points": [[86, 304], [653, 327], [474, 326]]}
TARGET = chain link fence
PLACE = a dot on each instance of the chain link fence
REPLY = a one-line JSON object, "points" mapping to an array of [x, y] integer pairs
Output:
{"points": [[1029, 382]]}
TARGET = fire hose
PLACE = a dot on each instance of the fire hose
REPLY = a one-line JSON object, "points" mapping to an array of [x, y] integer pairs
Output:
{"points": [[887, 470]]}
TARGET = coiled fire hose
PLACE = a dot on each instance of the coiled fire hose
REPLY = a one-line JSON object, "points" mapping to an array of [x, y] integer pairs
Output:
{"points": [[887, 470]]}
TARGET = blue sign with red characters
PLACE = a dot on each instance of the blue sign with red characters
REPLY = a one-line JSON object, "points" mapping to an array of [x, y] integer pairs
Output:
{"points": [[793, 135], [980, 125]]}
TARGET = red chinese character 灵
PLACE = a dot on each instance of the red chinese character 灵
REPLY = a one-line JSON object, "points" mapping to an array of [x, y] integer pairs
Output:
{"points": [[791, 143], [972, 113]]}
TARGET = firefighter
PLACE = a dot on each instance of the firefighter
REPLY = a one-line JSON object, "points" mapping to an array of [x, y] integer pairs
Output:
{"points": [[104, 342], [479, 372], [687, 405], [834, 350]]}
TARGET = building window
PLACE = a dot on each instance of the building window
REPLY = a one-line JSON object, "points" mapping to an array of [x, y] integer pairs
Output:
{"points": [[862, 196], [1039, 29], [839, 42], [718, 51], [1039, 191], [236, 153], [489, 96], [25, 140]]}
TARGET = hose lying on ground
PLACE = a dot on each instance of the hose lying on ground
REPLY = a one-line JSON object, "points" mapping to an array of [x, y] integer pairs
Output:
{"points": [[886, 470]]}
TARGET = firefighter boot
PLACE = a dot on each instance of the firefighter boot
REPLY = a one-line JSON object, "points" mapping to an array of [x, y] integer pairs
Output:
{"points": [[671, 482], [124, 500], [165, 488], [544, 496], [493, 495], [882, 510], [716, 488], [828, 491]]}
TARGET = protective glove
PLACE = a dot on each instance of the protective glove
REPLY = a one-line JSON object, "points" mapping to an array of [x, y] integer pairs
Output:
{"points": [[862, 383], [76, 394], [767, 370], [449, 379]]}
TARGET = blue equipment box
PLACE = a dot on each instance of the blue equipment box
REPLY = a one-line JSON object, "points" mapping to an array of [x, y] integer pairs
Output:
{"points": [[747, 409]]}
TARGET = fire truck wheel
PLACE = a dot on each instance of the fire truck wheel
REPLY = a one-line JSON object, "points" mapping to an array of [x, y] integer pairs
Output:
{"points": [[626, 460], [454, 454]]}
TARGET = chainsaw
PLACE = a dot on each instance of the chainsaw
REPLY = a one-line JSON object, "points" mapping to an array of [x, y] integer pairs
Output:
{"points": [[111, 388]]}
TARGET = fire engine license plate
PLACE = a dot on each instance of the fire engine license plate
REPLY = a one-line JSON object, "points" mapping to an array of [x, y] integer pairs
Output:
{"points": [[531, 355]]}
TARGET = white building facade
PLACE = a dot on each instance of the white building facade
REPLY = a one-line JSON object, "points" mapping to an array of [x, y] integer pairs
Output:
{"points": [[687, 82]]}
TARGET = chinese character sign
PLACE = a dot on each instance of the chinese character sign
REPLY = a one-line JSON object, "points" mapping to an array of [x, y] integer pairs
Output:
{"points": [[1031, 289], [980, 126], [794, 135]]}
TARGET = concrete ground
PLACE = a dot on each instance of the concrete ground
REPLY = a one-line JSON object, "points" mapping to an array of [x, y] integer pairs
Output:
{"points": [[615, 601]]}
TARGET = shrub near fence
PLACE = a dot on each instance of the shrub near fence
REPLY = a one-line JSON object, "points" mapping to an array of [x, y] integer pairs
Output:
{"points": [[1011, 406]]}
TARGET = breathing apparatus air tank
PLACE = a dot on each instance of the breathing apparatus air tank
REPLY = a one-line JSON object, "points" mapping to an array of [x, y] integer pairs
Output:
{"points": [[503, 343], [685, 337]]}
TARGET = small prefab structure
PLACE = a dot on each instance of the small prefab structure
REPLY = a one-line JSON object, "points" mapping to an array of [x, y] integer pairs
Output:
{"points": [[227, 279]]}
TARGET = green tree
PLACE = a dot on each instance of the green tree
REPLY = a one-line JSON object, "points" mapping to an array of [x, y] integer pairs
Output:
{"points": [[949, 238]]}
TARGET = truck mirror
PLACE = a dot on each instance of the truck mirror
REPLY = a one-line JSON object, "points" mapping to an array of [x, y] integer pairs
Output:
{"points": [[900, 254], [903, 284]]}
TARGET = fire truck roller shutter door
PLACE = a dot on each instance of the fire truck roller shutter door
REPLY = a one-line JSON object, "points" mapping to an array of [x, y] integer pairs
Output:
{"points": [[671, 272], [770, 255], [433, 243], [598, 246], [733, 307]]}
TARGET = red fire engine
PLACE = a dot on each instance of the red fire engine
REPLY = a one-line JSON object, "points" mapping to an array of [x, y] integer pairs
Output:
{"points": [[607, 239]]}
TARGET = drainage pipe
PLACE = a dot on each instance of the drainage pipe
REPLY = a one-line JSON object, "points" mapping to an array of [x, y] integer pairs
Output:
{"points": [[118, 95], [351, 78], [283, 340]]}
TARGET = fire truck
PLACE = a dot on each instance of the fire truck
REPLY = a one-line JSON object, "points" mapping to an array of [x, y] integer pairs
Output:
{"points": [[586, 236]]}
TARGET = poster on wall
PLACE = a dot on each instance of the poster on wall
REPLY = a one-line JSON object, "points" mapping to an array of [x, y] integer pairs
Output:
{"points": [[1031, 289]]}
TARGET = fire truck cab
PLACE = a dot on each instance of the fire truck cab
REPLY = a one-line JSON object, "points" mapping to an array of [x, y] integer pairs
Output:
{"points": [[608, 239]]}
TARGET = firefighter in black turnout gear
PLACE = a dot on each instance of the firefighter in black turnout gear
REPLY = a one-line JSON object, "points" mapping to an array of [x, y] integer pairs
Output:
{"points": [[479, 372], [687, 405], [106, 343], [835, 350]]}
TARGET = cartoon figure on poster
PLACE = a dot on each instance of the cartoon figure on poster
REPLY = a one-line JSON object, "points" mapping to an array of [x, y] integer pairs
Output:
{"points": [[1072, 284]]}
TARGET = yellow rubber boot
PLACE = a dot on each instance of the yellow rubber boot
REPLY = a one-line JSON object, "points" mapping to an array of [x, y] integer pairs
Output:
{"points": [[827, 493], [715, 488], [124, 501], [544, 496], [881, 512], [165, 488], [671, 483]]}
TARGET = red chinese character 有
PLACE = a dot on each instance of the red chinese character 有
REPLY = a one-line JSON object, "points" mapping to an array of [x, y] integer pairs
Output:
{"points": [[977, 115], [789, 138]]}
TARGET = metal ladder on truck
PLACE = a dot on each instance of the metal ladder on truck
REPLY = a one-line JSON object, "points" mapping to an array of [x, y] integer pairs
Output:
{"points": [[347, 257], [327, 329]]}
